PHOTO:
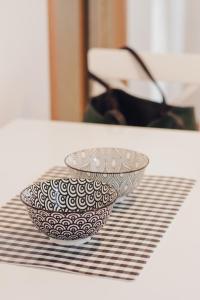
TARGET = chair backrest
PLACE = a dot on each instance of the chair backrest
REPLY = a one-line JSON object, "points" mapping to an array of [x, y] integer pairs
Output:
{"points": [[119, 64]]}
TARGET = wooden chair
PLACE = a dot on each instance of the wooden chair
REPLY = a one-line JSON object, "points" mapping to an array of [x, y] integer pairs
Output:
{"points": [[116, 65]]}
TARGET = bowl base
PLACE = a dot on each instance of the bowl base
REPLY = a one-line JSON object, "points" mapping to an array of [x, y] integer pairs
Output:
{"points": [[121, 199], [71, 242]]}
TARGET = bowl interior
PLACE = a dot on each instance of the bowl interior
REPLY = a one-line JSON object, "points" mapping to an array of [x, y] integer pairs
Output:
{"points": [[107, 160], [69, 195]]}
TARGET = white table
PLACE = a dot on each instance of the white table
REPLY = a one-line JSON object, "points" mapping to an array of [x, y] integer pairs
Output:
{"points": [[28, 148]]}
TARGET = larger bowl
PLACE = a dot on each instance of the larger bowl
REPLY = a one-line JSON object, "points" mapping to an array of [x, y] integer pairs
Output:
{"points": [[121, 168], [69, 209]]}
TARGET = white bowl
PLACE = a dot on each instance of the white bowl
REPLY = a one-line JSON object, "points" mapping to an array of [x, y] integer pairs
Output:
{"points": [[121, 168]]}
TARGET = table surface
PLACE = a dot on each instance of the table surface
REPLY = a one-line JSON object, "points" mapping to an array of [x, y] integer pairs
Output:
{"points": [[29, 148]]}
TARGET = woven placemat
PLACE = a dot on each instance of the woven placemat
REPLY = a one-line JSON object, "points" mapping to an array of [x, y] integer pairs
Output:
{"points": [[122, 247]]}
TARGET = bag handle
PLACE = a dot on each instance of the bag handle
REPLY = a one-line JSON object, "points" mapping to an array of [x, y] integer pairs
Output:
{"points": [[144, 67], [99, 80], [146, 70]]}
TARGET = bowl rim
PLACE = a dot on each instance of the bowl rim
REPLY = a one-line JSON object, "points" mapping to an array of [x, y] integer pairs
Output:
{"points": [[80, 212], [101, 172]]}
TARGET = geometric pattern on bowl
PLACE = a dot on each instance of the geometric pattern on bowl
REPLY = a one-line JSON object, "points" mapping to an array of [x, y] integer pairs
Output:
{"points": [[69, 226], [121, 168], [68, 195], [70, 208]]}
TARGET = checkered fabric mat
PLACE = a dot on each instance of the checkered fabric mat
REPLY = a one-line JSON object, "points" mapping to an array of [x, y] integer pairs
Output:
{"points": [[122, 247]]}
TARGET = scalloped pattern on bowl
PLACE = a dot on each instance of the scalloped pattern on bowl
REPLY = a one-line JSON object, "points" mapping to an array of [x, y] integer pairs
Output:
{"points": [[69, 195], [69, 226]]}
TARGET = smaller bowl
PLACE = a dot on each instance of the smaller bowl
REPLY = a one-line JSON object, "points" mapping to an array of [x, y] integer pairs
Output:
{"points": [[69, 210], [121, 168]]}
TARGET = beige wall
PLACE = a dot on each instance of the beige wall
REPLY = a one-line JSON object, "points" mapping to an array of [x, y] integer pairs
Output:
{"points": [[24, 71]]}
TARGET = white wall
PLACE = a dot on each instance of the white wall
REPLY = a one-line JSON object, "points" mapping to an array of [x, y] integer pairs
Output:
{"points": [[24, 62], [159, 26], [163, 26]]}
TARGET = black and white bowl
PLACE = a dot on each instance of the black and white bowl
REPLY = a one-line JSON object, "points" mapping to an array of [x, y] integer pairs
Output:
{"points": [[69, 210], [121, 168]]}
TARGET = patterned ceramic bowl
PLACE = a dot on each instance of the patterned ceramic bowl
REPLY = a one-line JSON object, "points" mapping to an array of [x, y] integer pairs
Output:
{"points": [[121, 168], [69, 210]]}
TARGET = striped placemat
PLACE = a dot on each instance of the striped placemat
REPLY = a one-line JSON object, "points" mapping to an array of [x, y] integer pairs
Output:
{"points": [[122, 247]]}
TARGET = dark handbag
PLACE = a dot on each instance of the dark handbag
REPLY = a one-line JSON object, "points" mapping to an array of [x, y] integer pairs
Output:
{"points": [[115, 106]]}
